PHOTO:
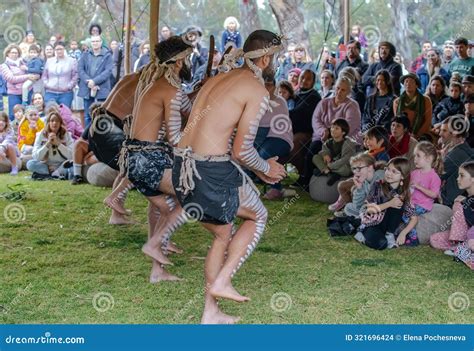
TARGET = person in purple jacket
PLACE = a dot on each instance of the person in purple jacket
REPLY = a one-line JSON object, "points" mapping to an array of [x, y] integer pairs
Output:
{"points": [[60, 76], [14, 74]]}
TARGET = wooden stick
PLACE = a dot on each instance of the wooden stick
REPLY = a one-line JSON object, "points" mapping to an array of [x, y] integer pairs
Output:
{"points": [[154, 25], [128, 35]]}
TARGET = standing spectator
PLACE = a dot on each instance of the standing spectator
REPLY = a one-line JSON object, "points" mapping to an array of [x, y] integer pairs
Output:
{"points": [[415, 105], [96, 30], [231, 34], [373, 56], [144, 57], [359, 36], [13, 71], [387, 52], [421, 60], [378, 110], [94, 75], [53, 40], [448, 54], [114, 44], [305, 103], [60, 77], [48, 52], [300, 60], [353, 59], [455, 151], [34, 65], [74, 51], [399, 59], [431, 68], [165, 33], [327, 60], [327, 83], [53, 146], [285, 61], [26, 43], [193, 35], [463, 64]]}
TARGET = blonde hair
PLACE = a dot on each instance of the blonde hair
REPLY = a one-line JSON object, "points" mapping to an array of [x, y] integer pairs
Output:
{"points": [[229, 20], [363, 157], [430, 150], [9, 48], [306, 57]]}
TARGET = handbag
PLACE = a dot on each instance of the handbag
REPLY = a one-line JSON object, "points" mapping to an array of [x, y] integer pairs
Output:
{"points": [[342, 226]]}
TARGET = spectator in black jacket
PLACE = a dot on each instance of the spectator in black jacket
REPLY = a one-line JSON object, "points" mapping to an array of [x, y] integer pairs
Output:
{"points": [[353, 59], [387, 53], [306, 101], [193, 35], [449, 106]]}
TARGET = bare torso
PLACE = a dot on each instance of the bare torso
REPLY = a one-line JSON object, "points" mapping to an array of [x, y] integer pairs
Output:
{"points": [[121, 99], [218, 109], [150, 111]]}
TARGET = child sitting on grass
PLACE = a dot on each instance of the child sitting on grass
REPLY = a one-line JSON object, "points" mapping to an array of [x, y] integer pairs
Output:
{"points": [[376, 141], [388, 201], [8, 149], [333, 159], [19, 114], [365, 175], [459, 239]]}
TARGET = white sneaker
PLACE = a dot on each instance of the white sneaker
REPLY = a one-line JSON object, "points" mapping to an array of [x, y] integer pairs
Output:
{"points": [[449, 253], [391, 243], [360, 237]]}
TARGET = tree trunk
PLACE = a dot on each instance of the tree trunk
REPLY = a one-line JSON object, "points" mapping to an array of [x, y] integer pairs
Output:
{"points": [[290, 18], [29, 14], [400, 23], [249, 17]]}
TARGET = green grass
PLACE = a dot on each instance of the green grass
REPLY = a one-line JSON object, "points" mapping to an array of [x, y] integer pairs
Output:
{"points": [[54, 262]]}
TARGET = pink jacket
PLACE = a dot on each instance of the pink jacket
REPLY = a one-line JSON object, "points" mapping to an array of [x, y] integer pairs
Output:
{"points": [[326, 112], [60, 76], [72, 124], [14, 76]]}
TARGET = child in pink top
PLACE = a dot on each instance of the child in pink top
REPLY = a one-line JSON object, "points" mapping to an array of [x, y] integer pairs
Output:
{"points": [[425, 185]]}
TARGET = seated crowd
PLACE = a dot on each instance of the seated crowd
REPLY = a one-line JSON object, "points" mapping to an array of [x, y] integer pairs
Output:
{"points": [[392, 150]]}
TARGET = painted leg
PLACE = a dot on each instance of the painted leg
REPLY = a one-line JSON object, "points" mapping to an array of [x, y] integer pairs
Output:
{"points": [[242, 244]]}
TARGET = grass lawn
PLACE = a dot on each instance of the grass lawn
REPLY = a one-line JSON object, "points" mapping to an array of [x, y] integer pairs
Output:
{"points": [[63, 254]]}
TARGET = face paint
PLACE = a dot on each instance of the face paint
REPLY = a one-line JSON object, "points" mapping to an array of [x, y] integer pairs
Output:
{"points": [[248, 153]]}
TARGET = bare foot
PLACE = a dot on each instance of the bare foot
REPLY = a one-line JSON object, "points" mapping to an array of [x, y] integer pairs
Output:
{"points": [[163, 276], [116, 205], [218, 318], [173, 248], [118, 219], [156, 254], [226, 291]]}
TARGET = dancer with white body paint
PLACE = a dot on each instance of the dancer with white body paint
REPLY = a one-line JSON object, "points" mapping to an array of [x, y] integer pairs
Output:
{"points": [[208, 179]]}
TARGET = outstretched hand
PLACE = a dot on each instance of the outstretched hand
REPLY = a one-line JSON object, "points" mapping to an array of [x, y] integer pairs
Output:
{"points": [[277, 170]]}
